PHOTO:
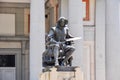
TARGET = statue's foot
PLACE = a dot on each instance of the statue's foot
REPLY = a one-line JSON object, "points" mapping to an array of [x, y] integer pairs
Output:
{"points": [[62, 64]]}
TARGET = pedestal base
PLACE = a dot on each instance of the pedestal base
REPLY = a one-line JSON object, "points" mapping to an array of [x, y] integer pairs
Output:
{"points": [[62, 73]]}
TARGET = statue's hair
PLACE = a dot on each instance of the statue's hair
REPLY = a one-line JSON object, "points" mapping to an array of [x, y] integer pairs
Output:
{"points": [[66, 21]]}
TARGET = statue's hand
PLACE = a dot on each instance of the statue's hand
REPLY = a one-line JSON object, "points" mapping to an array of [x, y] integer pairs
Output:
{"points": [[59, 43]]}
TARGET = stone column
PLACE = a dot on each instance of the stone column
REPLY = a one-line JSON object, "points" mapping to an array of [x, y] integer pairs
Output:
{"points": [[100, 40], [37, 37], [63, 8], [112, 39], [75, 17]]}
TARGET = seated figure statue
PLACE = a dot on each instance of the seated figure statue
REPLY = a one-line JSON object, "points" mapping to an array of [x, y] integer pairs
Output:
{"points": [[58, 50]]}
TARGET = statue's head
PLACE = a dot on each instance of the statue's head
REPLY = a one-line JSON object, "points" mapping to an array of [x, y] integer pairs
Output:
{"points": [[62, 21]]}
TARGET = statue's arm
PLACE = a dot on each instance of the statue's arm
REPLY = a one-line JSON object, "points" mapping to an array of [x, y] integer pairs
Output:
{"points": [[51, 36], [69, 34]]}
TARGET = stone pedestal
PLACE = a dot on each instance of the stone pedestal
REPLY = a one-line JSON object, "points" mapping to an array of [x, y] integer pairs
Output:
{"points": [[61, 73]]}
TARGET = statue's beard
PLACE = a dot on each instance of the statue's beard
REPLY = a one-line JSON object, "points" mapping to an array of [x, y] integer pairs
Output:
{"points": [[63, 25]]}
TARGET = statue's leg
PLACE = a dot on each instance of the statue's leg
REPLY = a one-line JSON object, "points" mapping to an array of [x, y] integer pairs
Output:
{"points": [[56, 54], [68, 53], [70, 61]]}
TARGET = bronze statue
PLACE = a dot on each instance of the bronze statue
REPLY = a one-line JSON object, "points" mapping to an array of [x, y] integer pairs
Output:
{"points": [[59, 50]]}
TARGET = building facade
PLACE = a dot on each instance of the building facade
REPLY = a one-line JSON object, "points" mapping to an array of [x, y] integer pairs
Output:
{"points": [[24, 23], [14, 41]]}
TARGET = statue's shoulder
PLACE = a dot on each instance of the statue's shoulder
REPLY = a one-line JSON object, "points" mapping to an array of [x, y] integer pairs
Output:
{"points": [[53, 28], [66, 27]]}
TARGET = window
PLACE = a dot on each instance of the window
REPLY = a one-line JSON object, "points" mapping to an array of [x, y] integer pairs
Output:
{"points": [[88, 12], [7, 24], [7, 60]]}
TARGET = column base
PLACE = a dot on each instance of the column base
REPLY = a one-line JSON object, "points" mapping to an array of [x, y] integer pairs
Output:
{"points": [[61, 73]]}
